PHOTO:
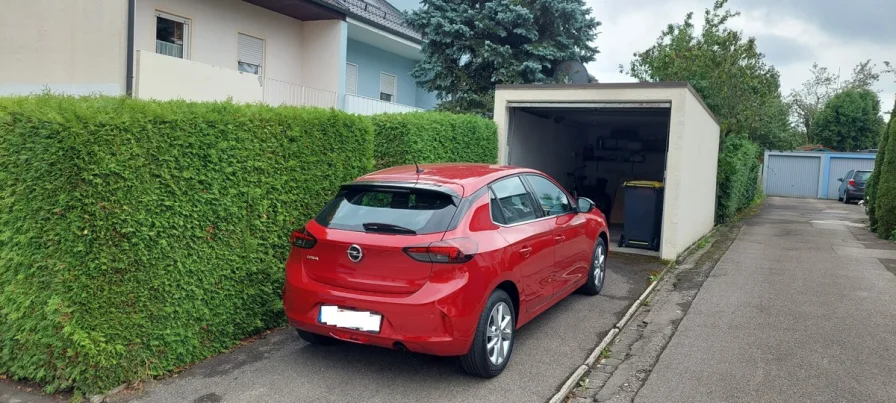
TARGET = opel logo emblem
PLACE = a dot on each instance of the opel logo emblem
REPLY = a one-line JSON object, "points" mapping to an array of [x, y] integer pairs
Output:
{"points": [[355, 253]]}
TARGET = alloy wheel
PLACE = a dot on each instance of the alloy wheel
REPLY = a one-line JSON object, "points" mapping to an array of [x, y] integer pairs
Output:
{"points": [[499, 333], [600, 261]]}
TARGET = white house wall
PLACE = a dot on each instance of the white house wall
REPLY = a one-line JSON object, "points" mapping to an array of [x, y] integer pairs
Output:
{"points": [[166, 78], [215, 28], [75, 47], [325, 44]]}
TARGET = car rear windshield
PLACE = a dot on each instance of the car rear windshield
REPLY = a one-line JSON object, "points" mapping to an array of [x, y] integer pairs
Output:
{"points": [[862, 176], [399, 211]]}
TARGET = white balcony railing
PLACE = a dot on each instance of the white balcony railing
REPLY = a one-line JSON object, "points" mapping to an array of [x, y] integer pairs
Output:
{"points": [[169, 49], [278, 93], [370, 106]]}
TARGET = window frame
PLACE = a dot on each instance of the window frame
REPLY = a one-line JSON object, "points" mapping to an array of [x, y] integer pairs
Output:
{"points": [[394, 87], [573, 205], [264, 54], [491, 191], [357, 73], [188, 31]]}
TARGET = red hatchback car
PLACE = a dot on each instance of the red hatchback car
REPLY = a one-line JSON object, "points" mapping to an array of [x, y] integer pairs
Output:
{"points": [[446, 259]]}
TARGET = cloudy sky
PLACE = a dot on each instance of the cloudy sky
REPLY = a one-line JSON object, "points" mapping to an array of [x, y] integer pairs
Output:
{"points": [[792, 33]]}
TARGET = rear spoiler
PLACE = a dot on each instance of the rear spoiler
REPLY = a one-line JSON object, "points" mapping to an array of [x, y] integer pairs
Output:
{"points": [[407, 186]]}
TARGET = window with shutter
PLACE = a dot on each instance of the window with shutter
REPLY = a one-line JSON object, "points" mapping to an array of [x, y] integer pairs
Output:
{"points": [[250, 54], [351, 79], [387, 87]]}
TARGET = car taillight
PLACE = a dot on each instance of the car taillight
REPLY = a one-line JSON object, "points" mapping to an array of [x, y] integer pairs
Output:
{"points": [[458, 250], [301, 238], [852, 182]]}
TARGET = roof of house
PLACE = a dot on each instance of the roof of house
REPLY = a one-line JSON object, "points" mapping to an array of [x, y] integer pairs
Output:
{"points": [[377, 12], [815, 147]]}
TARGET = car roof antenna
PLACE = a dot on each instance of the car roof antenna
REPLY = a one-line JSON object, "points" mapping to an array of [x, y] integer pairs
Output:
{"points": [[419, 170]]}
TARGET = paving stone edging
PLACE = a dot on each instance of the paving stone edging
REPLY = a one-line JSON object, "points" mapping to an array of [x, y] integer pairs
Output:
{"points": [[606, 367]]}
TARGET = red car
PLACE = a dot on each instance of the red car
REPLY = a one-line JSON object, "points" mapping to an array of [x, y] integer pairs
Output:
{"points": [[446, 259]]}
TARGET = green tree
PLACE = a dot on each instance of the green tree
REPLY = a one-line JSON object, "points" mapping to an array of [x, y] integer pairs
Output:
{"points": [[726, 69], [472, 45], [850, 121], [806, 101], [871, 188], [885, 186]]}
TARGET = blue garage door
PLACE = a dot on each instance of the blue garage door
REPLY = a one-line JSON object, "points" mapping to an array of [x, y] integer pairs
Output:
{"points": [[840, 166], [792, 175]]}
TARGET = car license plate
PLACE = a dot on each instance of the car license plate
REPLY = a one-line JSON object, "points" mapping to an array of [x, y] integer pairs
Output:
{"points": [[348, 319]]}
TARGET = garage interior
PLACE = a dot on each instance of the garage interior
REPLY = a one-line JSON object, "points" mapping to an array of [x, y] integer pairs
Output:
{"points": [[599, 146]]}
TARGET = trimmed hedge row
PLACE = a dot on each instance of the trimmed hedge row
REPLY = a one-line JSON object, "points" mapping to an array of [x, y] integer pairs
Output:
{"points": [[139, 236], [871, 186], [885, 185], [738, 177], [427, 137]]}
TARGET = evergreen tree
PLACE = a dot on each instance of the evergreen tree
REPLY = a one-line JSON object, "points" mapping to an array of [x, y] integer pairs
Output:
{"points": [[850, 121], [882, 209], [472, 45]]}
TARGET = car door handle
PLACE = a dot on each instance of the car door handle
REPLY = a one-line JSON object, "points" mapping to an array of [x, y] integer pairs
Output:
{"points": [[559, 238], [525, 251]]}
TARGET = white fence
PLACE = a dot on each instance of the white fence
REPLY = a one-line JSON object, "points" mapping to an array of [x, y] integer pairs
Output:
{"points": [[370, 106], [278, 93]]}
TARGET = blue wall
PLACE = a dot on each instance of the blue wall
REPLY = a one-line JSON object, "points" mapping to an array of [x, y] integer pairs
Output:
{"points": [[425, 99], [371, 61]]}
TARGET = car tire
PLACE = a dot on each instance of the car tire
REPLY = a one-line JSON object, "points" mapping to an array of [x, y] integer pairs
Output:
{"points": [[315, 339], [481, 360], [597, 272]]}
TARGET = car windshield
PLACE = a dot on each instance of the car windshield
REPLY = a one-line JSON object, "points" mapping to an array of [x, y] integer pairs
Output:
{"points": [[400, 211], [862, 176]]}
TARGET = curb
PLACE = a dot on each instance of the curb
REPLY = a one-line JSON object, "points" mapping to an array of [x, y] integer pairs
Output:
{"points": [[595, 355], [574, 378]]}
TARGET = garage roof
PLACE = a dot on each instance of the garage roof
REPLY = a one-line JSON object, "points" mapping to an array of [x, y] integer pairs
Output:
{"points": [[609, 86]]}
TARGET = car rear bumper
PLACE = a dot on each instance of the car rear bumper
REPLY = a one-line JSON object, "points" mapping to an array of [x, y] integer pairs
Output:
{"points": [[426, 321], [856, 193]]}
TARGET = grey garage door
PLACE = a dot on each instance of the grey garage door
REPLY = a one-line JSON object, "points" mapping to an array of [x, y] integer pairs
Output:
{"points": [[792, 175], [840, 166]]}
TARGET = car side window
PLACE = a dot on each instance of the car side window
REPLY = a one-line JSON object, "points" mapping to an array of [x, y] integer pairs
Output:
{"points": [[510, 203], [550, 197], [848, 175]]}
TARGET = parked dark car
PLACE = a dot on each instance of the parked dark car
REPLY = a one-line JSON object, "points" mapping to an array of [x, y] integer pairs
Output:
{"points": [[852, 186]]}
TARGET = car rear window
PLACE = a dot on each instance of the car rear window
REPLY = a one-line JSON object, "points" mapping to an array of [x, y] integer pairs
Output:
{"points": [[422, 211], [862, 176]]}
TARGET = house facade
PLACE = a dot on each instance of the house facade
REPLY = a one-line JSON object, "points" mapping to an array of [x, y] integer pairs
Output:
{"points": [[354, 55]]}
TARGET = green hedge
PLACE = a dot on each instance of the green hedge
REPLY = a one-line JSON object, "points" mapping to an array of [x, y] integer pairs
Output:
{"points": [[427, 137], [738, 177], [885, 186], [138, 236], [871, 186]]}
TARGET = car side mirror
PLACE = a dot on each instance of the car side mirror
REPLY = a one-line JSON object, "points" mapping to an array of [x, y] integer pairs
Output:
{"points": [[585, 204], [839, 179]]}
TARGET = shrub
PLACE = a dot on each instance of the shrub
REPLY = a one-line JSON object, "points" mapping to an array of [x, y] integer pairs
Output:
{"points": [[885, 186], [427, 137], [738, 177], [139, 236], [871, 186]]}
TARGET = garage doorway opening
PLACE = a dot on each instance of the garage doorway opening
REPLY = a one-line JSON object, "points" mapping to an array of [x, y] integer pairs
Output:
{"points": [[593, 149]]}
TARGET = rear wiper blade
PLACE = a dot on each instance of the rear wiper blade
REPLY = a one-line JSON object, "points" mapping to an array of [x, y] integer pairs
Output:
{"points": [[383, 227]]}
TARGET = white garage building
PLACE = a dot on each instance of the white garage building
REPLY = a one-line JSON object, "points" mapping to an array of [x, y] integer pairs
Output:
{"points": [[612, 133]]}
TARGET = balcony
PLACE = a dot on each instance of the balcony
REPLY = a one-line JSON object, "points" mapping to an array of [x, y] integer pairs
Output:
{"points": [[371, 106], [164, 77]]}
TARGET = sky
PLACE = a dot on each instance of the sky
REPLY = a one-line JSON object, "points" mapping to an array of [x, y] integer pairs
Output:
{"points": [[793, 34]]}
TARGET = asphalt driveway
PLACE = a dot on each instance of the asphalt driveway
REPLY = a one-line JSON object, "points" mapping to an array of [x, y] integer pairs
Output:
{"points": [[800, 309], [282, 368]]}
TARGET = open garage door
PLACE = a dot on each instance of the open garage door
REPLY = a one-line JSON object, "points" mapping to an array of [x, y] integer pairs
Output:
{"points": [[592, 148]]}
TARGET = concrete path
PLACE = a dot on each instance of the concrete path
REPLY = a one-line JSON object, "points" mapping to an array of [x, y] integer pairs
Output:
{"points": [[282, 368], [802, 308]]}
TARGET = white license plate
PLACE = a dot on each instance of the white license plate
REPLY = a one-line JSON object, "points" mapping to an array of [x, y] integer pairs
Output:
{"points": [[348, 319]]}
